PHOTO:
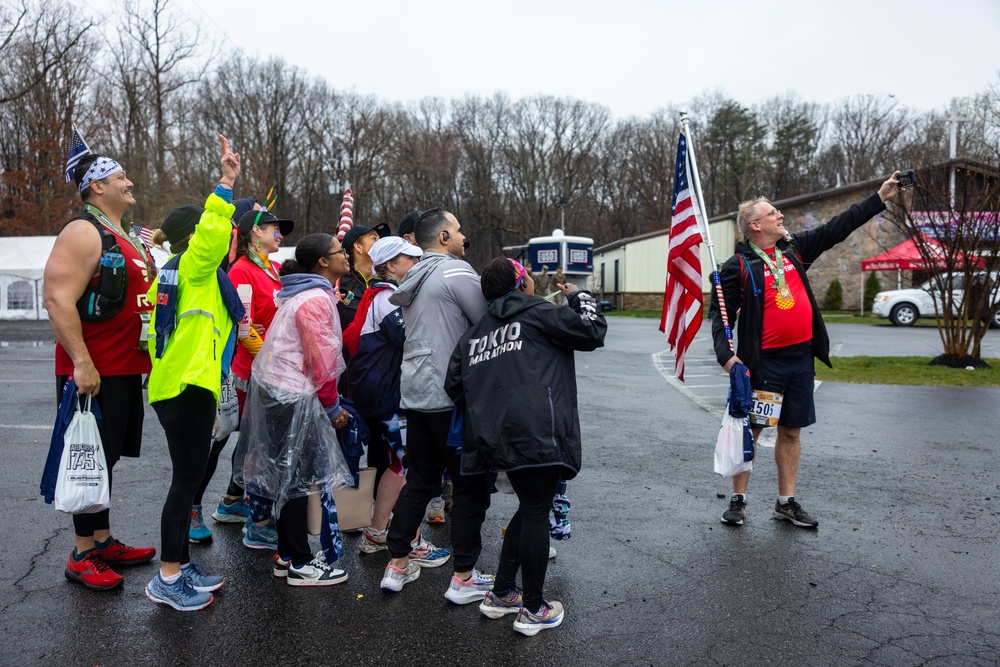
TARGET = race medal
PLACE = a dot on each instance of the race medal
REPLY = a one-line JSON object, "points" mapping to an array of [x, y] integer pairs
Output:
{"points": [[766, 408], [783, 299]]}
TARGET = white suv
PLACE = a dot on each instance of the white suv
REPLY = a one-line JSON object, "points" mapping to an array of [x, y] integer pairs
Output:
{"points": [[904, 306]]}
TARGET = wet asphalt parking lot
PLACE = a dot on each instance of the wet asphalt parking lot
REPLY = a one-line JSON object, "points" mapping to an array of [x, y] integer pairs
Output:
{"points": [[901, 571]]}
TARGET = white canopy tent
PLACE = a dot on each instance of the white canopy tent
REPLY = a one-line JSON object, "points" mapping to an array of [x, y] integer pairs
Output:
{"points": [[22, 263]]}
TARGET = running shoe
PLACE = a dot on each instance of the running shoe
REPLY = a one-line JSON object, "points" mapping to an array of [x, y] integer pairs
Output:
{"points": [[316, 572], [373, 541], [237, 512], [395, 578], [435, 510], [92, 572], [497, 606], [426, 554], [737, 511], [473, 589], [117, 553], [260, 537], [180, 595], [549, 616], [792, 511], [197, 532], [201, 582]]}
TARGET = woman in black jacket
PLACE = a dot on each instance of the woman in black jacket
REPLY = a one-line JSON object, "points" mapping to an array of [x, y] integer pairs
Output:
{"points": [[514, 372]]}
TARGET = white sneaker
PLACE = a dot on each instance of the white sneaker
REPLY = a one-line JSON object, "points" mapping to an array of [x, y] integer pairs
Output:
{"points": [[552, 552], [315, 573], [394, 578], [550, 616], [473, 590]]}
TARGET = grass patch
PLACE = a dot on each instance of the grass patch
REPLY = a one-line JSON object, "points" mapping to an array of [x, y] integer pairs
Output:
{"points": [[906, 370]]}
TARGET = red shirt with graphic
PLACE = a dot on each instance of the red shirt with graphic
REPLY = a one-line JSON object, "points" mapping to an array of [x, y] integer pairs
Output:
{"points": [[113, 344], [785, 326]]}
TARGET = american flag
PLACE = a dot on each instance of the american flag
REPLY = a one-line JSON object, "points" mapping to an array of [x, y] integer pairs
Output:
{"points": [[77, 150], [683, 302], [144, 233]]}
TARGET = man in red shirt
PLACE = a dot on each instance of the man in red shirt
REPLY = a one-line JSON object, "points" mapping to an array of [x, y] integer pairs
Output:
{"points": [[104, 351], [780, 329]]}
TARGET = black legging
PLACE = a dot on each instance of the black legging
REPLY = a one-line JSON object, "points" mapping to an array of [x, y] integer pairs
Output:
{"points": [[187, 421], [293, 531], [234, 489], [526, 542]]}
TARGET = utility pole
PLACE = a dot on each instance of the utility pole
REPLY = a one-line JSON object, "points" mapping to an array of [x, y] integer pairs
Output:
{"points": [[953, 121], [561, 204]]}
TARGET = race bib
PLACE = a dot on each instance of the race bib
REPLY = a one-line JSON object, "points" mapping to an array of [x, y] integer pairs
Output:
{"points": [[766, 408]]}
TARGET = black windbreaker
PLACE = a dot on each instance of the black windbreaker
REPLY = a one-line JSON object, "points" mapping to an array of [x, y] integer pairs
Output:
{"points": [[742, 279], [515, 373]]}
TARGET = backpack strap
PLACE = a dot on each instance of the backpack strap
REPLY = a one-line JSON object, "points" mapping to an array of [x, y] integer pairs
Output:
{"points": [[107, 298]]}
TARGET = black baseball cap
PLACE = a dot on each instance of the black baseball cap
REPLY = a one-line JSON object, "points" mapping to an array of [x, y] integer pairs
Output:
{"points": [[357, 231], [407, 224], [251, 218]]}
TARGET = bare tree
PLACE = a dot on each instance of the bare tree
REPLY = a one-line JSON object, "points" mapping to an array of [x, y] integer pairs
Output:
{"points": [[48, 41], [36, 126], [960, 234], [864, 135]]}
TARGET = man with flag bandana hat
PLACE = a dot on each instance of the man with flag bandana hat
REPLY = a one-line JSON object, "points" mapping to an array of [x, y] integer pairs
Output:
{"points": [[105, 358], [780, 329]]}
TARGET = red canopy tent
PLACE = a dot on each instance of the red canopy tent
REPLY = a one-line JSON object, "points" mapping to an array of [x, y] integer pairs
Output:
{"points": [[905, 257]]}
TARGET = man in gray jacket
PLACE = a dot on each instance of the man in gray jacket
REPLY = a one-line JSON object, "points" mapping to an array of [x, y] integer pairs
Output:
{"points": [[441, 298]]}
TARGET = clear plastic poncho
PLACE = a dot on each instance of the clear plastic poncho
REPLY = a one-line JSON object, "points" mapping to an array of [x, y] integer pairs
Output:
{"points": [[288, 448]]}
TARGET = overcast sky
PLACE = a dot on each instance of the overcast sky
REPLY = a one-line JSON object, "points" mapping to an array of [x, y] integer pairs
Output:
{"points": [[633, 56]]}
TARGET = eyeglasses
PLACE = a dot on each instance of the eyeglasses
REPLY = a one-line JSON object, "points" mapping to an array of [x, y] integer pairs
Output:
{"points": [[773, 214], [342, 251]]}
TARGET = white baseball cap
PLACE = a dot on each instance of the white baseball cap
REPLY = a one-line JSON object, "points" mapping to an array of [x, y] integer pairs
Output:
{"points": [[388, 247]]}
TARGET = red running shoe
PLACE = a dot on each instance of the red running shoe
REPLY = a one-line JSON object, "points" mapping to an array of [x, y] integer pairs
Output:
{"points": [[93, 572], [122, 554]]}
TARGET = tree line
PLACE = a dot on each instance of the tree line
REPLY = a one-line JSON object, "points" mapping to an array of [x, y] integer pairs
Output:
{"points": [[153, 91]]}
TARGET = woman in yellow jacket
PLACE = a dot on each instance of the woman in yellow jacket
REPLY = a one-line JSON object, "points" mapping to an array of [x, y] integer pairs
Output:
{"points": [[191, 332]]}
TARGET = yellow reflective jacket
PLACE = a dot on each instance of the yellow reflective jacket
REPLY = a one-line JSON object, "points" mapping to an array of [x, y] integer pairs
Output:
{"points": [[194, 355]]}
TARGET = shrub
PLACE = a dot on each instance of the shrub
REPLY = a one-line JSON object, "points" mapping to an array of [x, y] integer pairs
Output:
{"points": [[834, 296], [872, 287]]}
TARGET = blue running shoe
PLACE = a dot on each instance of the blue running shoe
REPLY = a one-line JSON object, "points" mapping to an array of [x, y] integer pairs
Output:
{"points": [[180, 595], [426, 554], [238, 512], [197, 532], [201, 582], [549, 616], [260, 537]]}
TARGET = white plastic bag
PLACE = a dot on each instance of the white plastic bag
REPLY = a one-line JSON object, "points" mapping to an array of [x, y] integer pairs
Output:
{"points": [[82, 485], [729, 447], [227, 415]]}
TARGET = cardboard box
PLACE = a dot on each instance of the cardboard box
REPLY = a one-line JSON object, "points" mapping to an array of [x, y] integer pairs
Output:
{"points": [[354, 506]]}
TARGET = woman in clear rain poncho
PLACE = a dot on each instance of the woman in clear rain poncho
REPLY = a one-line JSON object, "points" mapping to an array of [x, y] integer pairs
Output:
{"points": [[288, 445]]}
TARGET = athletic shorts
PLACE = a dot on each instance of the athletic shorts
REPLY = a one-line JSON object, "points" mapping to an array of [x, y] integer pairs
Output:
{"points": [[793, 378], [123, 408]]}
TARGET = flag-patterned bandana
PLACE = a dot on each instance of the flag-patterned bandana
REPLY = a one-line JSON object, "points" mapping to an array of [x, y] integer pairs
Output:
{"points": [[101, 168]]}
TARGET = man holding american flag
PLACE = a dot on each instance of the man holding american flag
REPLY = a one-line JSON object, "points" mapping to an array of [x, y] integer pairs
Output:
{"points": [[780, 330]]}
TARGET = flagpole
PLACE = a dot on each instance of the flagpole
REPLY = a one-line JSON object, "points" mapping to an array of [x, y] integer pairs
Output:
{"points": [[696, 182]]}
